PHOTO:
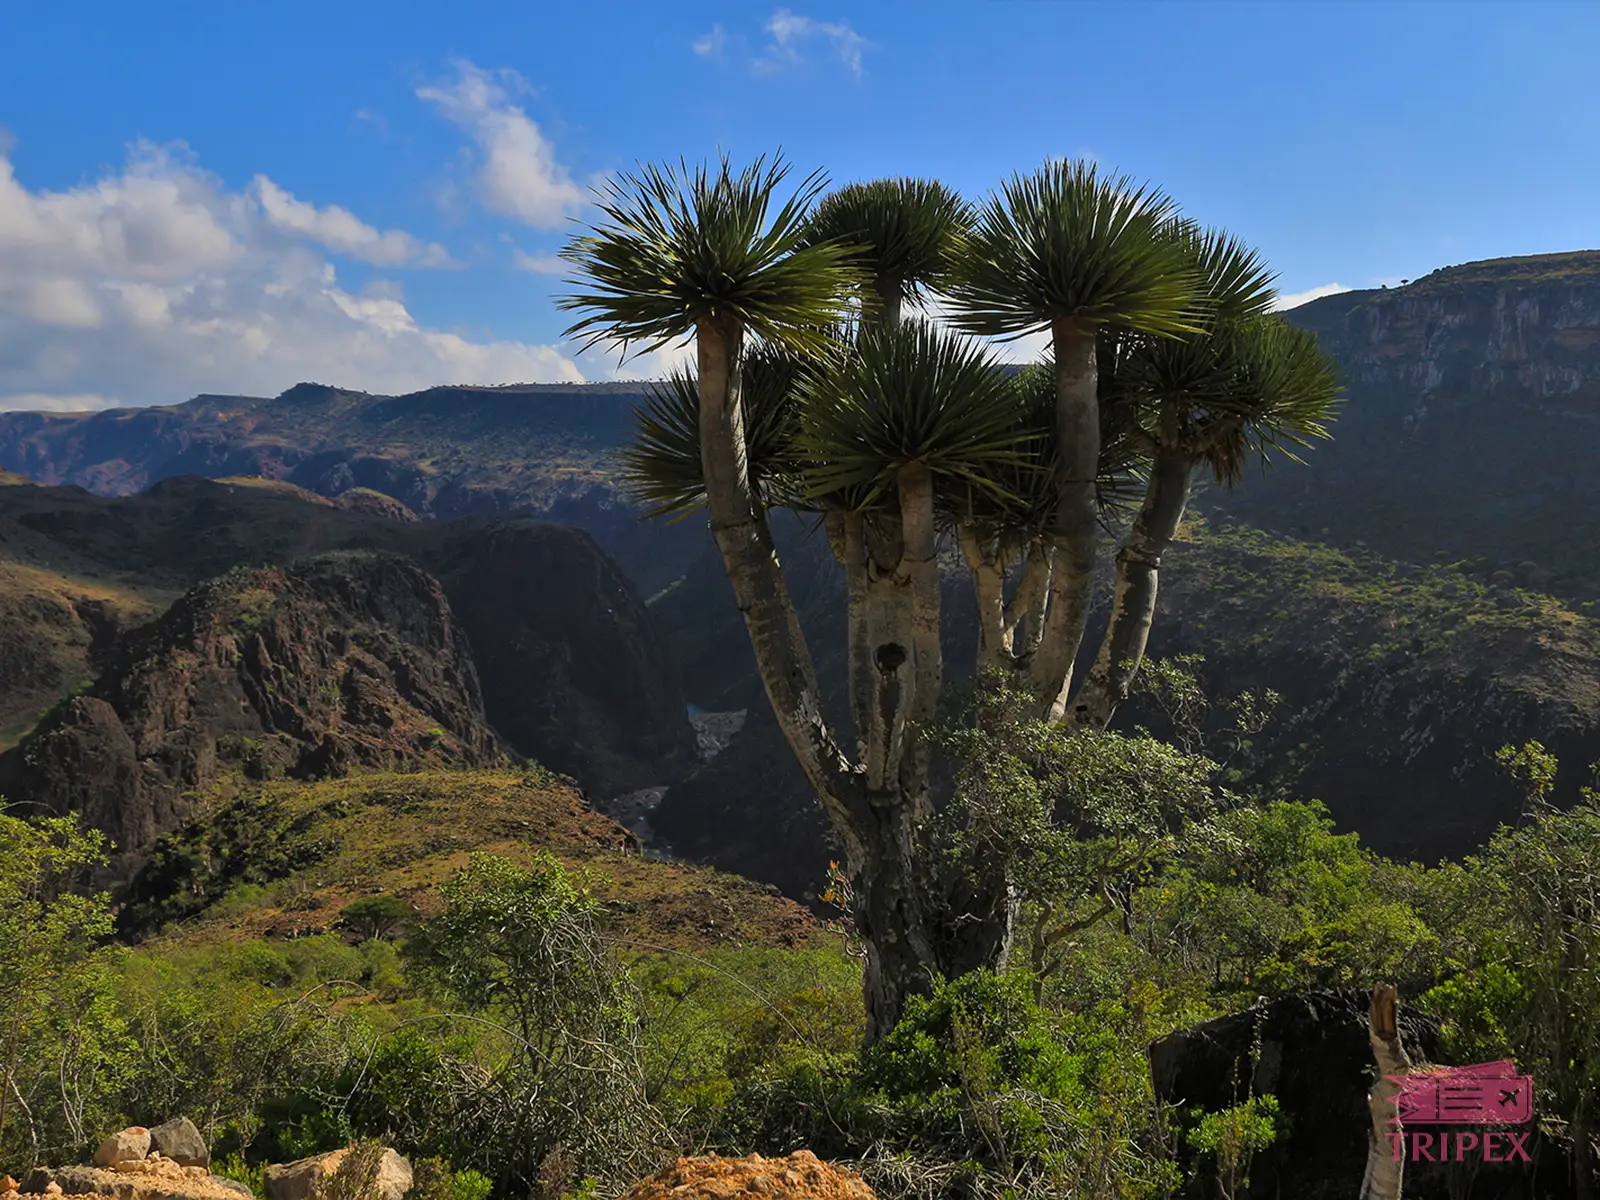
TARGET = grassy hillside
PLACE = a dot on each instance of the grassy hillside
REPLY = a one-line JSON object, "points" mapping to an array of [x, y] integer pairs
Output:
{"points": [[283, 860]]}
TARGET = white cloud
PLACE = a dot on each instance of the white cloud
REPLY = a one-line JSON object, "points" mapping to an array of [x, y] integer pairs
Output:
{"points": [[518, 175], [341, 231], [791, 33], [1295, 299], [711, 45], [537, 264], [155, 282], [38, 402]]}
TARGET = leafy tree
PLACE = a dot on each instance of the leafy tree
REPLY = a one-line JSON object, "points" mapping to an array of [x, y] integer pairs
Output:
{"points": [[1531, 984], [375, 917], [814, 392], [59, 1032], [1082, 818], [1270, 900], [1233, 1137]]}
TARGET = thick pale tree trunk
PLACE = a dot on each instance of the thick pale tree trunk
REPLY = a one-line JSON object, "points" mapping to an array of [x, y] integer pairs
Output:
{"points": [[1133, 610], [916, 919], [1073, 526], [1386, 1139], [1024, 623], [919, 566], [989, 585], [759, 588]]}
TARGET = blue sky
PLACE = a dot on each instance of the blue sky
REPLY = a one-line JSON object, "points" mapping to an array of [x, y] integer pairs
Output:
{"points": [[235, 197]]}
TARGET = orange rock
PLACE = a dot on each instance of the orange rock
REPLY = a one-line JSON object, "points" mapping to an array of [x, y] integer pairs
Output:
{"points": [[800, 1176]]}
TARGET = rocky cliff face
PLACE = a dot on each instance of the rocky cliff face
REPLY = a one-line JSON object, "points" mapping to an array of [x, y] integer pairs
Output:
{"points": [[573, 673], [1470, 428], [1517, 331], [341, 662]]}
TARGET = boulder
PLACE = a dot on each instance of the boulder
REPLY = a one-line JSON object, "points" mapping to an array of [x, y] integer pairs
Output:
{"points": [[799, 1176], [153, 1178], [180, 1140], [126, 1145], [298, 1180]]}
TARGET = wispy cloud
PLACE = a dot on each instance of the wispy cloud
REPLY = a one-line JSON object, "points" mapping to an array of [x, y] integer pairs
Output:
{"points": [[787, 41], [1295, 299], [518, 174], [537, 264], [711, 45], [792, 36], [341, 231]]}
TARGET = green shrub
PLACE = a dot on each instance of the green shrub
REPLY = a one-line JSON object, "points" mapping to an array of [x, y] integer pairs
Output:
{"points": [[977, 1091]]}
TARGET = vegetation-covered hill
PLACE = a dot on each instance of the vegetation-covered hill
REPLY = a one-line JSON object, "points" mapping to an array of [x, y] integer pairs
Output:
{"points": [[283, 860], [1470, 428], [546, 449], [337, 663], [1398, 685]]}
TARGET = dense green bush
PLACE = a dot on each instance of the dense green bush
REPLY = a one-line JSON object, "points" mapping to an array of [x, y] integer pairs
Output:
{"points": [[977, 1091]]}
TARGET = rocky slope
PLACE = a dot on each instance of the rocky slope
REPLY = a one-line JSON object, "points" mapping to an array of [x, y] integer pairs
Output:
{"points": [[1471, 426], [339, 663], [573, 672]]}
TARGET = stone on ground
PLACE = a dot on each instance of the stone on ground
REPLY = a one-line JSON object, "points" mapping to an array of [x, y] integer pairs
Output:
{"points": [[153, 1178], [799, 1176], [179, 1140], [126, 1145], [297, 1180]]}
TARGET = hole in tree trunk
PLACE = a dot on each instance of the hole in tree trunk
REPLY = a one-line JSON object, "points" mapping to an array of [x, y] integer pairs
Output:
{"points": [[889, 656]]}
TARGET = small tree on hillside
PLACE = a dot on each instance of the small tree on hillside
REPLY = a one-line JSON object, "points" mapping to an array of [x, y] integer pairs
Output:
{"points": [[815, 392], [375, 917]]}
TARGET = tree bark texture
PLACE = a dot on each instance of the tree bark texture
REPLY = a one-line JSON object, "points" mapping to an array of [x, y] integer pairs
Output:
{"points": [[759, 588], [1133, 610], [1386, 1138], [1074, 523]]}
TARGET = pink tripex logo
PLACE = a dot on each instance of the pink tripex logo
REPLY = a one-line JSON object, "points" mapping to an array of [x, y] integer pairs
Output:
{"points": [[1485, 1094]]}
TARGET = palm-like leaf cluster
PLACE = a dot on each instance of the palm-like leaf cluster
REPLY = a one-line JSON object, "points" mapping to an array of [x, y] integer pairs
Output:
{"points": [[1244, 384], [661, 466], [1185, 346], [1022, 498], [1285, 394], [905, 233], [678, 246], [1068, 243], [910, 394]]}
